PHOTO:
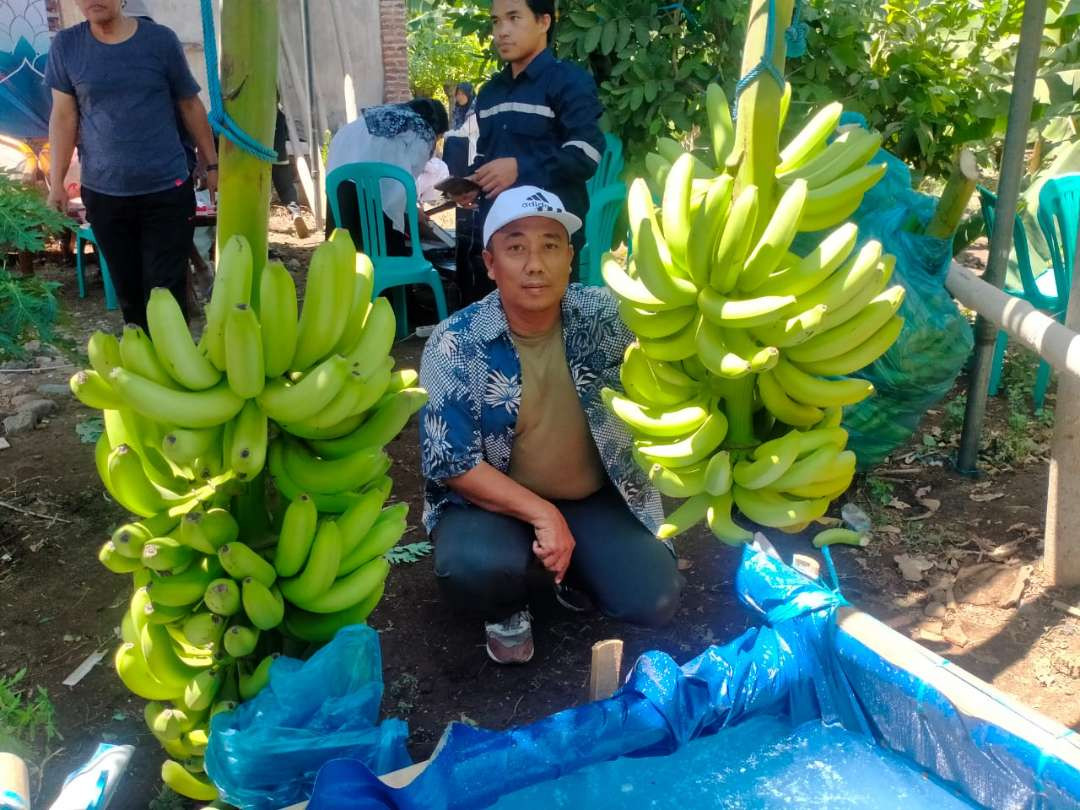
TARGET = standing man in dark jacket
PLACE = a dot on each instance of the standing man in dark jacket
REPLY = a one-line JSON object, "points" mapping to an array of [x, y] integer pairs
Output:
{"points": [[538, 116]]}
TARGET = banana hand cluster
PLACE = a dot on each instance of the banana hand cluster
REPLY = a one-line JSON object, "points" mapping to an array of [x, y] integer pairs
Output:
{"points": [[309, 394], [733, 391]]}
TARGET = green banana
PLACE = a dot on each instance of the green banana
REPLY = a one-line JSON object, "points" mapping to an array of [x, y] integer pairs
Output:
{"points": [[166, 554], [632, 290], [162, 721], [842, 285], [264, 606], [718, 473], [247, 449], [687, 515], [811, 390], [816, 266], [646, 324], [356, 521], [866, 293], [769, 508], [296, 536], [363, 284], [103, 350], [319, 628], [129, 538], [720, 124], [674, 214], [94, 391], [671, 150], [130, 486], [810, 140], [116, 562], [718, 518], [349, 589], [742, 312], [232, 286], [770, 461], [775, 239], [401, 379], [188, 409], [287, 402], [657, 168], [277, 309], [244, 365], [239, 560], [683, 482], [319, 570], [649, 422], [792, 331], [830, 488], [187, 784], [253, 683], [162, 659], [853, 333], [182, 446], [811, 440], [357, 395], [735, 240], [210, 530], [651, 271], [138, 356], [848, 151], [180, 590], [328, 298], [639, 379], [782, 406], [694, 448], [824, 464], [376, 339], [315, 475], [383, 536], [861, 355], [135, 674], [845, 536], [203, 629], [831, 204], [707, 228], [714, 354], [384, 423], [222, 596], [173, 343], [325, 502], [759, 358], [240, 640], [673, 348]]}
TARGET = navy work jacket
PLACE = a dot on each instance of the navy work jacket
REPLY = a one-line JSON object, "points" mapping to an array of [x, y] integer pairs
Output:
{"points": [[547, 118]]}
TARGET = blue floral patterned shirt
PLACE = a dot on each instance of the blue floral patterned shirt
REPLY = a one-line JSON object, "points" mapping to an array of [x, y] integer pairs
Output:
{"points": [[472, 374]]}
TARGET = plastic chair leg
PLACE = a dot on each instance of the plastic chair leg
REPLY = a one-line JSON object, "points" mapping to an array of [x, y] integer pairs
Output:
{"points": [[401, 311], [106, 279], [1042, 382], [79, 246], [999, 363]]}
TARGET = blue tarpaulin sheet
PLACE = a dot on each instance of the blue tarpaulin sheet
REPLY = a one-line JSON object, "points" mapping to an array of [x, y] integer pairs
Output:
{"points": [[797, 666]]}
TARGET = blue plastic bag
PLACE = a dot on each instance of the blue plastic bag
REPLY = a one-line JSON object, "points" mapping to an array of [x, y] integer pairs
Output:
{"points": [[266, 753]]}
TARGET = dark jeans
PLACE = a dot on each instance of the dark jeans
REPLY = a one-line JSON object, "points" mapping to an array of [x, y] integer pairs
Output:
{"points": [[486, 567], [145, 240], [282, 173]]}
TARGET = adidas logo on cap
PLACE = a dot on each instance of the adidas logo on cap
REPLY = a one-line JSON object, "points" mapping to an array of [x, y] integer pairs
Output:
{"points": [[538, 202]]}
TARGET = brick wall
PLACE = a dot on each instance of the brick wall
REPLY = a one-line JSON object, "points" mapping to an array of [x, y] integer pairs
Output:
{"points": [[395, 51]]}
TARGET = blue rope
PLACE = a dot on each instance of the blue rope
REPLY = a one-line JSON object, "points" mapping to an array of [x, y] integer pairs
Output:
{"points": [[765, 65], [221, 121]]}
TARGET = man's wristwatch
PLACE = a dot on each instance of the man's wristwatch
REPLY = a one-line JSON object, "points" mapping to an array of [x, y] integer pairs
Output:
{"points": [[211, 167]]}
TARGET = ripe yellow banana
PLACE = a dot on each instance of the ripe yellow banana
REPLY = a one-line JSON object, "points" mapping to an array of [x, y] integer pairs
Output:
{"points": [[277, 309], [328, 297], [320, 569], [862, 355], [384, 534], [651, 423], [718, 518], [694, 448], [232, 286], [244, 352], [384, 423], [811, 390], [137, 353], [287, 402], [735, 240], [782, 406], [247, 448], [811, 139], [687, 515], [173, 343], [775, 239], [189, 409], [853, 333]]}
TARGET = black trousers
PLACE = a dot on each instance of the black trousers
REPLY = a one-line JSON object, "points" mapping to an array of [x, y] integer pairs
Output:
{"points": [[486, 567], [146, 240], [282, 174]]}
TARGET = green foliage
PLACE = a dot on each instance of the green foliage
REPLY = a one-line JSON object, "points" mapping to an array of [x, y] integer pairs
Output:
{"points": [[409, 553], [28, 308], [27, 717], [25, 219], [440, 53], [879, 490]]}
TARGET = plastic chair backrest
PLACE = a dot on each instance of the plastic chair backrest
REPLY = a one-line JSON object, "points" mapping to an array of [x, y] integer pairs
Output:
{"points": [[1059, 218], [610, 166], [604, 209], [367, 179], [988, 200]]}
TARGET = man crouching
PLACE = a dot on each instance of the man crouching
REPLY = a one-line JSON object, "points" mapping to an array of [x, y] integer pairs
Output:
{"points": [[529, 479]]}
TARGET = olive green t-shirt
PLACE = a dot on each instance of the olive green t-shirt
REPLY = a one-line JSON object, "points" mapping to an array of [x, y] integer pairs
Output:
{"points": [[553, 452]]}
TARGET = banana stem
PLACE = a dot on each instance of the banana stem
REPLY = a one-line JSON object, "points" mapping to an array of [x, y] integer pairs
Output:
{"points": [[249, 53], [739, 410], [758, 125]]}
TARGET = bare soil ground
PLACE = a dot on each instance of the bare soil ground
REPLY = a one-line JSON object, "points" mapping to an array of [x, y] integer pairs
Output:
{"points": [[59, 605]]}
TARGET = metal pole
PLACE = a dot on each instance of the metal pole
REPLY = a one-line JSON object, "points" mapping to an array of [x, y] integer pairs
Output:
{"points": [[1061, 556], [315, 143], [1012, 169]]}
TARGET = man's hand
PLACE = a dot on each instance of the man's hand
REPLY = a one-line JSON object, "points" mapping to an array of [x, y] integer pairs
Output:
{"points": [[58, 198], [497, 176], [554, 543], [212, 182]]}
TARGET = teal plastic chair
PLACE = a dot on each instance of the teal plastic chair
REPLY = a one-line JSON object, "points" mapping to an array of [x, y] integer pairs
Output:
{"points": [[1059, 219], [1039, 287], [391, 272], [85, 236], [607, 196]]}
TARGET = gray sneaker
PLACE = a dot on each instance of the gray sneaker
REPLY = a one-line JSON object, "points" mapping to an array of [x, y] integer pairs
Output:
{"points": [[510, 641], [298, 222]]}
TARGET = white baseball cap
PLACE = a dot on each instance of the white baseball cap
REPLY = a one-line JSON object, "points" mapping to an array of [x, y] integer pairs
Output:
{"points": [[527, 201]]}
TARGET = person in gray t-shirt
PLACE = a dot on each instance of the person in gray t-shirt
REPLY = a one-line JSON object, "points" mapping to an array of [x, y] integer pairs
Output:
{"points": [[121, 86]]}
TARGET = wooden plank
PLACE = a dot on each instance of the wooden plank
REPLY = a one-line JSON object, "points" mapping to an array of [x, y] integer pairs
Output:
{"points": [[605, 669]]}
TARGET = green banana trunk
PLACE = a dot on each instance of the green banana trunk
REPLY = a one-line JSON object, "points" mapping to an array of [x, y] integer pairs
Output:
{"points": [[249, 52]]}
